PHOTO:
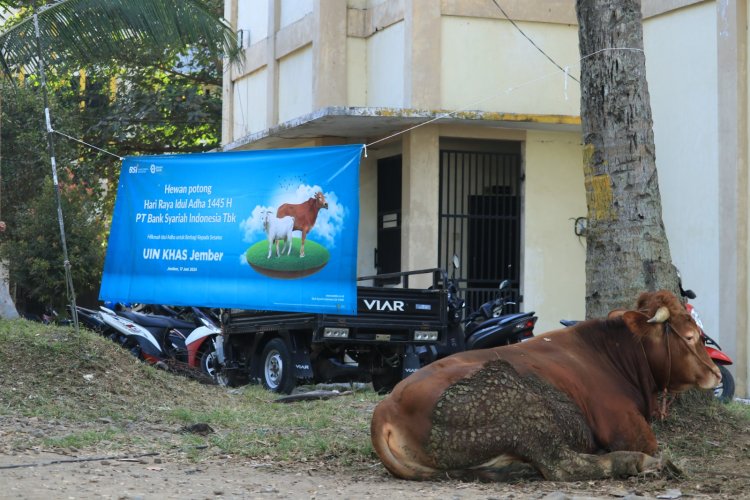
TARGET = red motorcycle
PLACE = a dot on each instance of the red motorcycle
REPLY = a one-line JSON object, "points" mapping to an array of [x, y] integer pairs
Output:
{"points": [[725, 390]]}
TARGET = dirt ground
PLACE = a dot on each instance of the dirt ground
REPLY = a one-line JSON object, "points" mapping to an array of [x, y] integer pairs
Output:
{"points": [[34, 473]]}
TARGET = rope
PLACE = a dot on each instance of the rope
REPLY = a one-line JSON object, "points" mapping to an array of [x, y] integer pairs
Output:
{"points": [[532, 42], [565, 70], [666, 400], [87, 144]]}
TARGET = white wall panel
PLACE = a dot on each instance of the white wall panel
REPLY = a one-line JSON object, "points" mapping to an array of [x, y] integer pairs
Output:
{"points": [[488, 65], [250, 104], [252, 18], [295, 84], [385, 67], [294, 10], [681, 72]]}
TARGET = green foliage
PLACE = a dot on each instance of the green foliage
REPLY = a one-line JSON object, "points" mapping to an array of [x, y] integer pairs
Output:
{"points": [[31, 245], [89, 32], [173, 107], [155, 99], [37, 258]]}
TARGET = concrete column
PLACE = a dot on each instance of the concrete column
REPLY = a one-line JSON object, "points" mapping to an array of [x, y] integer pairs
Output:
{"points": [[272, 65], [227, 87], [420, 174], [329, 53], [422, 33], [733, 184]]}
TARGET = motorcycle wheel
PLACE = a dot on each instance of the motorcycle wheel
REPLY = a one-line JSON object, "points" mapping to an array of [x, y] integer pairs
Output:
{"points": [[277, 369], [725, 390], [210, 366]]}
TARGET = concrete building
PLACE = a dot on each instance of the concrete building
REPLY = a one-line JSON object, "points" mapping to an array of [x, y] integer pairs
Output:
{"points": [[473, 136]]}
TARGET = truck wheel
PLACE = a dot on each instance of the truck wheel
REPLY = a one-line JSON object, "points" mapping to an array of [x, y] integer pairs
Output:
{"points": [[277, 368]]}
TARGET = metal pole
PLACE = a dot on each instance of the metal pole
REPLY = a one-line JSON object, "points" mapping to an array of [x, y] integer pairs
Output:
{"points": [[51, 148]]}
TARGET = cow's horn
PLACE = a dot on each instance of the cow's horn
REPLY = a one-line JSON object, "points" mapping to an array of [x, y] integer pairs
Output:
{"points": [[662, 315]]}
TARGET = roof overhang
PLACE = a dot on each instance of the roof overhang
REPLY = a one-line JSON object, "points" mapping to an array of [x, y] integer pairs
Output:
{"points": [[368, 125]]}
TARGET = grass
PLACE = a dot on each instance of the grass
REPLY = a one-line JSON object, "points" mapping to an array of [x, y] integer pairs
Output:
{"points": [[315, 256], [85, 393], [100, 399]]}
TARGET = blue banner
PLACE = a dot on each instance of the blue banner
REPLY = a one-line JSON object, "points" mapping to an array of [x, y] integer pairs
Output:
{"points": [[269, 230]]}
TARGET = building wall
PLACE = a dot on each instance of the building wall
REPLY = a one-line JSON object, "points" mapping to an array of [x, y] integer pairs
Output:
{"points": [[356, 71], [488, 65], [554, 257], [681, 70], [291, 11], [250, 112], [385, 67], [252, 19], [295, 87]]}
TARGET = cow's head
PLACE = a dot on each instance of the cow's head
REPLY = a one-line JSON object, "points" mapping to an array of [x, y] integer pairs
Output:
{"points": [[672, 342], [321, 200], [265, 218]]}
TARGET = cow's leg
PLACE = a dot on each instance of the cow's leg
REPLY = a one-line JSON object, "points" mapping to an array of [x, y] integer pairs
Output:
{"points": [[270, 248], [277, 248], [618, 464], [302, 244]]}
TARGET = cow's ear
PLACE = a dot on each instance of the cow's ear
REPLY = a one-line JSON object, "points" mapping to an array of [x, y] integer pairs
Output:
{"points": [[636, 322], [616, 313]]}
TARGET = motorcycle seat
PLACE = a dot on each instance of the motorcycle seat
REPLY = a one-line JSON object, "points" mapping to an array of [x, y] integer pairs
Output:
{"points": [[156, 321], [504, 319]]}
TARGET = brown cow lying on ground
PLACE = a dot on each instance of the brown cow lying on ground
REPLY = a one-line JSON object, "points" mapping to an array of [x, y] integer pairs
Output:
{"points": [[305, 214], [570, 405]]}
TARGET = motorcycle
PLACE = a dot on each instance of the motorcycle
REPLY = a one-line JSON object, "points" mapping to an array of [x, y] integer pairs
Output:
{"points": [[169, 337], [486, 327], [490, 326], [92, 320], [725, 390]]}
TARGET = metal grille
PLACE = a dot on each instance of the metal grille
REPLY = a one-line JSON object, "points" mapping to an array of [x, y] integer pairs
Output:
{"points": [[480, 222]]}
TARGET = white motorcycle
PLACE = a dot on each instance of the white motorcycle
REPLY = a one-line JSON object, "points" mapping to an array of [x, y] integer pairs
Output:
{"points": [[186, 335]]}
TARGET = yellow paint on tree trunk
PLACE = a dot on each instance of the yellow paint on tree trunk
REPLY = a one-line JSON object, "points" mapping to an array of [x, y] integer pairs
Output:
{"points": [[82, 88], [600, 198], [598, 188], [112, 89]]}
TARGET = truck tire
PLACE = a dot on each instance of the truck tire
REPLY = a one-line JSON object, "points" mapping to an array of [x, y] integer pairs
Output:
{"points": [[277, 369]]}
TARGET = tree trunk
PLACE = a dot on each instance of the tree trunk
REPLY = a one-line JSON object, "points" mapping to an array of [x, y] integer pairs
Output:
{"points": [[7, 307], [627, 248]]}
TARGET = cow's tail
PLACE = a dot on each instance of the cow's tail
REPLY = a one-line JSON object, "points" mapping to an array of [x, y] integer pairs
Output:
{"points": [[394, 451]]}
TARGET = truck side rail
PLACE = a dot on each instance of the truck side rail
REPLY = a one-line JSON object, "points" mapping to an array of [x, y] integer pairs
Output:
{"points": [[439, 277]]}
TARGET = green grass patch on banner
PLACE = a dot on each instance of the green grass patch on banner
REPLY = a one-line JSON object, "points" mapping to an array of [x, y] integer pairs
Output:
{"points": [[287, 266]]}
